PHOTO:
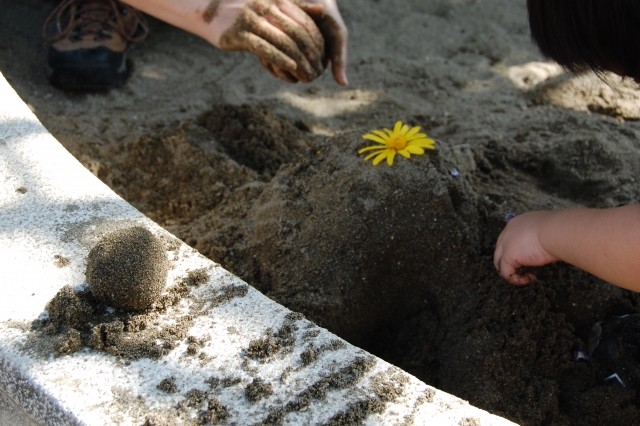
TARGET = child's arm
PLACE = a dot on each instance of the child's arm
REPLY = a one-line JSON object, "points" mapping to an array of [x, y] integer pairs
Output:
{"points": [[604, 242]]}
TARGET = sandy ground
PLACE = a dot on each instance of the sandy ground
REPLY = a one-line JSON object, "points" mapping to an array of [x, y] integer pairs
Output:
{"points": [[394, 259]]}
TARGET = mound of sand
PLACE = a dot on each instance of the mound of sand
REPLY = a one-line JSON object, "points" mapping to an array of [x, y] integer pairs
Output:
{"points": [[398, 259]]}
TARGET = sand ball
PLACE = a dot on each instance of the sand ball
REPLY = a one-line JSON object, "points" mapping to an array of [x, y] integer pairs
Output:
{"points": [[128, 269]]}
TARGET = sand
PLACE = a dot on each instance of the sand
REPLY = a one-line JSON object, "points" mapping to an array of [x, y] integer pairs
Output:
{"points": [[127, 269], [264, 178]]}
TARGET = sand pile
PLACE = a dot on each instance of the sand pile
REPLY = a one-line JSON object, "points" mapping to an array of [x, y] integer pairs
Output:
{"points": [[398, 259]]}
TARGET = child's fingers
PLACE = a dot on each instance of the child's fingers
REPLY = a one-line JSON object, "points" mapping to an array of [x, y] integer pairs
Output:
{"points": [[497, 255], [508, 271], [522, 279]]}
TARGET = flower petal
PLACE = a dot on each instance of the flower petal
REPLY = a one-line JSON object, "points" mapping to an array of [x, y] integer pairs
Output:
{"points": [[417, 136], [397, 127], [371, 148], [390, 158], [384, 154], [389, 132], [373, 154], [412, 132], [382, 134], [404, 153], [415, 149], [404, 130], [424, 143], [374, 138]]}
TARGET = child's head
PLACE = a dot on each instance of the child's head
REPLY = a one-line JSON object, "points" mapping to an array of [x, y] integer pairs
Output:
{"points": [[599, 35]]}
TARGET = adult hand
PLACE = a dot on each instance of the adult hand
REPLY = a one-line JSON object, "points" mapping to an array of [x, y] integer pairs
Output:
{"points": [[519, 245], [284, 37], [327, 16]]}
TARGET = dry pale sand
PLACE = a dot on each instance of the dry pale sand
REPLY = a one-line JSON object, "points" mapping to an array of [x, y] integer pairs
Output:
{"points": [[394, 259]]}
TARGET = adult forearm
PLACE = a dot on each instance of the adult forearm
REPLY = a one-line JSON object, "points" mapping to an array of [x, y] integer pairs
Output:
{"points": [[604, 242], [188, 15]]}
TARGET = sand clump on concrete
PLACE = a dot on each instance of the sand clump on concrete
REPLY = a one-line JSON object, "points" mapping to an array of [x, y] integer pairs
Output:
{"points": [[282, 339], [61, 261], [168, 385], [257, 389], [198, 276], [343, 378], [78, 319], [127, 269], [198, 407]]}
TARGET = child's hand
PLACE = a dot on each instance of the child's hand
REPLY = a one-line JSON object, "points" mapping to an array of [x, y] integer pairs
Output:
{"points": [[519, 245]]}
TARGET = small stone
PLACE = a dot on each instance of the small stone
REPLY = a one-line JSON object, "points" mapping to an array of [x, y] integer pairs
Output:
{"points": [[128, 269], [509, 216]]}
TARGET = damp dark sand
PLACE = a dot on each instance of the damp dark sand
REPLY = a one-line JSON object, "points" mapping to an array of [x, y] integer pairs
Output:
{"points": [[394, 259]]}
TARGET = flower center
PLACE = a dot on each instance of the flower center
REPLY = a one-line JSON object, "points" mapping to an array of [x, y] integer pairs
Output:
{"points": [[397, 142]]}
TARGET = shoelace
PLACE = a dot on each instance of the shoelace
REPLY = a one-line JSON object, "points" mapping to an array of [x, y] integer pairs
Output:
{"points": [[78, 18]]}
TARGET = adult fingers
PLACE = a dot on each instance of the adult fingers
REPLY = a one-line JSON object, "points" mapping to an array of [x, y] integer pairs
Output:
{"points": [[281, 41], [269, 68], [263, 50], [294, 12], [335, 35], [299, 26], [286, 76], [337, 54], [278, 73], [299, 35]]}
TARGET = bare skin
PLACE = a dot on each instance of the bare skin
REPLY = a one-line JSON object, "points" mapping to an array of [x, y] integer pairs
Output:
{"points": [[284, 36], [277, 31], [326, 15], [604, 242]]}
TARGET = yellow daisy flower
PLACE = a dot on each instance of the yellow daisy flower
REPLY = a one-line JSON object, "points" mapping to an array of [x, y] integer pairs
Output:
{"points": [[401, 140]]}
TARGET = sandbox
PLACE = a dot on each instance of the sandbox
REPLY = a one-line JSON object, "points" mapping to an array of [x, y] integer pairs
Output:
{"points": [[265, 180]]}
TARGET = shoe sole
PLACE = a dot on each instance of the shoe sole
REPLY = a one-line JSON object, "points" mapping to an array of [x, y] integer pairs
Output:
{"points": [[81, 74]]}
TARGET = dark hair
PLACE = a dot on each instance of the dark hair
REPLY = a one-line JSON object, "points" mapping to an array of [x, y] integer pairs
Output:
{"points": [[598, 35]]}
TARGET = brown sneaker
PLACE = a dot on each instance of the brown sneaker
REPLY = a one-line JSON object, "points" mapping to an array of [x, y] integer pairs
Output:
{"points": [[88, 42]]}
